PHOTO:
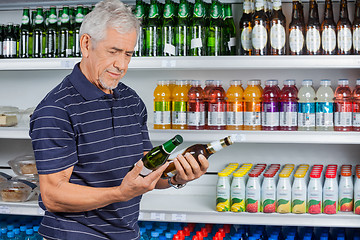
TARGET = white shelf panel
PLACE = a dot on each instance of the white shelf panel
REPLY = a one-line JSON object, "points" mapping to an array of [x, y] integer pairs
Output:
{"points": [[24, 208], [198, 63], [14, 133]]}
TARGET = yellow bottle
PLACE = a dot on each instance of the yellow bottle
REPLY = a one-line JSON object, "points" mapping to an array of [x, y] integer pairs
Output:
{"points": [[235, 106], [252, 105], [162, 106], [179, 105]]}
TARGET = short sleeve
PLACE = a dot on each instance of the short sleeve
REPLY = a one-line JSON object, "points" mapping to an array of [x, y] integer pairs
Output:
{"points": [[53, 139], [144, 129]]}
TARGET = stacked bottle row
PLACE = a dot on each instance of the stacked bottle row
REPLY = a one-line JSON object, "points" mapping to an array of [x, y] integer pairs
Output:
{"points": [[201, 231], [185, 29], [272, 191], [46, 33], [180, 105], [19, 227]]}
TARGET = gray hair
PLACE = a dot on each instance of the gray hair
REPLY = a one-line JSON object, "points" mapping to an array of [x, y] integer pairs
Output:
{"points": [[109, 13]]}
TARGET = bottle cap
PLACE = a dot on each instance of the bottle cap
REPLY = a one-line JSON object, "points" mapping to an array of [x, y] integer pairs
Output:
{"points": [[289, 82], [307, 82], [195, 83], [223, 174], [315, 175], [357, 81], [217, 83], [209, 82], [330, 175], [162, 82], [235, 83], [254, 174], [343, 82], [299, 175], [271, 82], [346, 174], [325, 82], [181, 82], [253, 82], [269, 175]]}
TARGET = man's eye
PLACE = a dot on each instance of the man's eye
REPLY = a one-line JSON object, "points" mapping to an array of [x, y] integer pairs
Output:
{"points": [[112, 52]]}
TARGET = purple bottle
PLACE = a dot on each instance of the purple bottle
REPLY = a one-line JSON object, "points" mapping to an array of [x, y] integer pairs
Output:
{"points": [[270, 119], [288, 106]]}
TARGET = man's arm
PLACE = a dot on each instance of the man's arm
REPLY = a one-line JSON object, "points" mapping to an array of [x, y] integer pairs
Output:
{"points": [[59, 195]]}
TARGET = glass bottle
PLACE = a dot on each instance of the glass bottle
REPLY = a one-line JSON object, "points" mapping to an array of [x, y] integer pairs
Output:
{"points": [[79, 18], [9, 43], [168, 29], [328, 31], [38, 34], [215, 30], [140, 14], [198, 30], [246, 29], [313, 39], [153, 31], [65, 34], [296, 30], [230, 30], [277, 30], [259, 34], [182, 29], [51, 34], [25, 34], [356, 29], [344, 34]]}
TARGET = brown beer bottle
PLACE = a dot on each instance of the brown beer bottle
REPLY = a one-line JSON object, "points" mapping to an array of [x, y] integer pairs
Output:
{"points": [[259, 35], [313, 39], [356, 29], [328, 31], [277, 30], [343, 27], [205, 149], [297, 30], [245, 29]]}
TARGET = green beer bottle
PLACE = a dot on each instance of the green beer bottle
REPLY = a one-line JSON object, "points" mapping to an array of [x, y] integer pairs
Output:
{"points": [[51, 34], [215, 30], [198, 30], [182, 29], [9, 43], [140, 14], [25, 34], [38, 34], [153, 31], [168, 29], [230, 30], [79, 17], [158, 155], [65, 38]]}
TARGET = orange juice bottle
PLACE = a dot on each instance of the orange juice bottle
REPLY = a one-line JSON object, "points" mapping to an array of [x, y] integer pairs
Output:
{"points": [[162, 105], [252, 105], [179, 105], [235, 106], [172, 85]]}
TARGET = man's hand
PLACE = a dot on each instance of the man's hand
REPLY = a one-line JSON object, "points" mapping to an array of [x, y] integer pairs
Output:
{"points": [[134, 185], [188, 168]]}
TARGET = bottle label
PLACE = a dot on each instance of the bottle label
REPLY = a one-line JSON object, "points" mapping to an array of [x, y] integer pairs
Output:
{"points": [[343, 114], [252, 118], [314, 196], [328, 39], [232, 42], [356, 119], [268, 195], [356, 39], [145, 171], [65, 18], [25, 19], [39, 19], [313, 40], [9, 48], [235, 118], [139, 11], [52, 19], [277, 36], [199, 10], [324, 114], [223, 195], [259, 37], [217, 114], [169, 49], [238, 195], [270, 114], [299, 196], [344, 39], [288, 114], [215, 11], [330, 196], [276, 4], [196, 118], [162, 113], [296, 40], [196, 43], [1, 48], [168, 11], [179, 113], [79, 18], [306, 115], [253, 195], [246, 41], [154, 11]]}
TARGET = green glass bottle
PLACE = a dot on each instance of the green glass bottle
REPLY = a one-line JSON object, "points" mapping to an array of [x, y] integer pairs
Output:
{"points": [[65, 34], [215, 30], [38, 34], [182, 29], [159, 154], [153, 31], [230, 30], [168, 29], [9, 43], [140, 14], [25, 34], [198, 30], [1, 40], [79, 17], [51, 34]]}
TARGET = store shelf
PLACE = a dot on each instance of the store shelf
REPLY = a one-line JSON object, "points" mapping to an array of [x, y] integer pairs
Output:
{"points": [[199, 63], [14, 133], [25, 208]]}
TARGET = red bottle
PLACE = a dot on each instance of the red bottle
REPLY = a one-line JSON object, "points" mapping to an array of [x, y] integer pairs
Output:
{"points": [[343, 107], [196, 107], [270, 106], [217, 107], [356, 106], [208, 86], [288, 106]]}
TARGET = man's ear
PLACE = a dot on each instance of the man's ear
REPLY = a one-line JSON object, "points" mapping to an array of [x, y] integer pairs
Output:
{"points": [[85, 44]]}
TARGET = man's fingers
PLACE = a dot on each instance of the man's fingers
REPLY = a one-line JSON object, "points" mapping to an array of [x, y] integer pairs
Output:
{"points": [[204, 163], [155, 175], [137, 169]]}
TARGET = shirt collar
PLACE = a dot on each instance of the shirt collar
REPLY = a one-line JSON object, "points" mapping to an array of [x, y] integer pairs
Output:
{"points": [[88, 90]]}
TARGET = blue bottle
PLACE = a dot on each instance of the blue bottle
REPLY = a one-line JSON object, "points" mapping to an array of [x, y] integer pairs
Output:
{"points": [[17, 234], [169, 236], [154, 236], [3, 233], [30, 235], [10, 235]]}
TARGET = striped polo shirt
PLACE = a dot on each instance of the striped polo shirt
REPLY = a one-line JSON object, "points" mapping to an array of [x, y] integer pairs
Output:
{"points": [[102, 136]]}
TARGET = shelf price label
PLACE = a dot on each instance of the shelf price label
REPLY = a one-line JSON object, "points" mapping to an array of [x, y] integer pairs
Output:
{"points": [[178, 217], [4, 209], [157, 216]]}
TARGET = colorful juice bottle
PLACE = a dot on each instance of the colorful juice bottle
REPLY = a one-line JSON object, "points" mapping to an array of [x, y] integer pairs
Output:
{"points": [[162, 106], [252, 192], [325, 106], [179, 105], [357, 191], [343, 107], [172, 85], [346, 189], [330, 191], [208, 86], [356, 106], [299, 190], [288, 106], [235, 106], [268, 191], [283, 190], [196, 107], [306, 114], [252, 105], [314, 197], [223, 192], [238, 186], [270, 118], [217, 107]]}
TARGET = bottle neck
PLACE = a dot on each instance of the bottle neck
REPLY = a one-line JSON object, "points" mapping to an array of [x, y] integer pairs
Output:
{"points": [[343, 10], [313, 12], [328, 10], [216, 146]]}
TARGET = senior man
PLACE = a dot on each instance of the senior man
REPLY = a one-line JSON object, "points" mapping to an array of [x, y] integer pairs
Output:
{"points": [[88, 133]]}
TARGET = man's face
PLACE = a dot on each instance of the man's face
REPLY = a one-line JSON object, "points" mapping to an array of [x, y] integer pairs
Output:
{"points": [[109, 59]]}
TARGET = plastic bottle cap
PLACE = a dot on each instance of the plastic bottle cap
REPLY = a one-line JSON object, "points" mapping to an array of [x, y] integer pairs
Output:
{"points": [[253, 82], [254, 174], [235, 83], [223, 174], [271, 82], [343, 82], [307, 82], [315, 175], [325, 82], [269, 175], [330, 175], [289, 82], [346, 174], [217, 83], [299, 175], [195, 83]]}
